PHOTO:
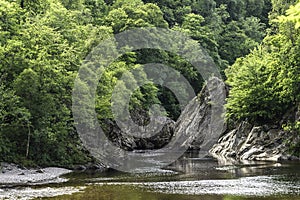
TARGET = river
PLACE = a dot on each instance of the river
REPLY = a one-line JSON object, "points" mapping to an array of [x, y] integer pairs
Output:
{"points": [[186, 179]]}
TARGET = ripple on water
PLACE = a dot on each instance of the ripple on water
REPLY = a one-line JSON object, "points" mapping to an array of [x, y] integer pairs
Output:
{"points": [[246, 186]]}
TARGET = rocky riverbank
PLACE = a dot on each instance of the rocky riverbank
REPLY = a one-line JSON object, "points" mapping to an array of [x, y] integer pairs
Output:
{"points": [[243, 142], [260, 143], [12, 174]]}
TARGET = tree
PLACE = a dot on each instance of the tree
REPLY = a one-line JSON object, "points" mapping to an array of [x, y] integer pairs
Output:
{"points": [[266, 82], [293, 16], [173, 11], [34, 6], [124, 16], [14, 124], [235, 43], [252, 94], [40, 58], [98, 10]]}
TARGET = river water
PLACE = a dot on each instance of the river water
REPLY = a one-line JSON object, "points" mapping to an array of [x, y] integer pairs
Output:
{"points": [[186, 179]]}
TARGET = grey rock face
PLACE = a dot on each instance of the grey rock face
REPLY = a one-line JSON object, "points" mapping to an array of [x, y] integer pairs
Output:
{"points": [[202, 120], [259, 143], [129, 143], [202, 124]]}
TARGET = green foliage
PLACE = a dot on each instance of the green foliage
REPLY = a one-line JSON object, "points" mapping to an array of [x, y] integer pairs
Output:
{"points": [[43, 44], [97, 9], [293, 127], [279, 7], [174, 10], [14, 120], [293, 16], [239, 38], [107, 86], [252, 94], [126, 15], [39, 56], [34, 6], [266, 82]]}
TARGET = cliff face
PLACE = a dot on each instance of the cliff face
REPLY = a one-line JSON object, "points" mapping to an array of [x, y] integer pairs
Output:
{"points": [[260, 143], [200, 124], [202, 120], [129, 143]]}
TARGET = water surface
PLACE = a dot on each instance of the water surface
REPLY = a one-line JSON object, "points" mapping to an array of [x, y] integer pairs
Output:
{"points": [[187, 179], [192, 179]]}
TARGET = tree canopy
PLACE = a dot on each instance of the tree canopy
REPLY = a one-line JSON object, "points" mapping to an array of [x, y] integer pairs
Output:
{"points": [[43, 43], [265, 83]]}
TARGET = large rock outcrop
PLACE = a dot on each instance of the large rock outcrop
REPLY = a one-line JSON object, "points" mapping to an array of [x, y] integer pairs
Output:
{"points": [[129, 142], [202, 120], [258, 143], [201, 123], [202, 126]]}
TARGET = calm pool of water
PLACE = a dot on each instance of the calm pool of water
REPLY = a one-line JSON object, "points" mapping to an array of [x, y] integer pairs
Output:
{"points": [[187, 179]]}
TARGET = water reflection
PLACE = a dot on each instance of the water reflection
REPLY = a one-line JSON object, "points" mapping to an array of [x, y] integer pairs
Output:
{"points": [[185, 179], [213, 169], [201, 179], [125, 192]]}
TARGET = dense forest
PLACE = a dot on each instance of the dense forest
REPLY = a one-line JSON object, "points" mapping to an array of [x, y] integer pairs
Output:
{"points": [[255, 44]]}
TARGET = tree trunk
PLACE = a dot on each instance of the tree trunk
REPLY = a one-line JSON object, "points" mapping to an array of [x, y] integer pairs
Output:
{"points": [[28, 141], [22, 4]]}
